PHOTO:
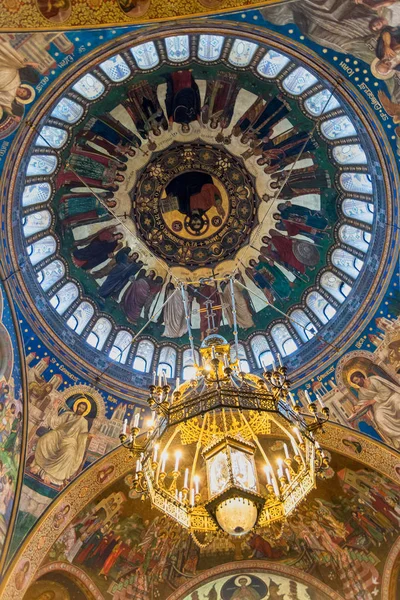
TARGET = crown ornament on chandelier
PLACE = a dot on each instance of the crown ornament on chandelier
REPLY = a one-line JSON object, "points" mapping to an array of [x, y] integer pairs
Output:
{"points": [[227, 451]]}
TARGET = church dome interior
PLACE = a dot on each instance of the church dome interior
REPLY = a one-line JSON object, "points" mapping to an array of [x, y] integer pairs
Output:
{"points": [[199, 305]]}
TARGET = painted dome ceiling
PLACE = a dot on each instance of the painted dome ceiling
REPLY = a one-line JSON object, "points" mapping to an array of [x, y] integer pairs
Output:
{"points": [[177, 159]]}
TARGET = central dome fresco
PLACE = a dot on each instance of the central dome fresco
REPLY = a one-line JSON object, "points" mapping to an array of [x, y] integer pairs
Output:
{"points": [[182, 158]]}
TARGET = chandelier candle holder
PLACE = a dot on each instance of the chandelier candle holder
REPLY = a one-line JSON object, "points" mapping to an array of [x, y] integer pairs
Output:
{"points": [[227, 451]]}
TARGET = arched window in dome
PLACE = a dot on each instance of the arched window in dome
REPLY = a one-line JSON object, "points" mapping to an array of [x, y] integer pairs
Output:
{"points": [[121, 346], [41, 164], [99, 334], [283, 340], [36, 193], [261, 350], [144, 356], [338, 128], [68, 111], [298, 81], [89, 87], [320, 307], [64, 297], [357, 238], [272, 64], [356, 182], [242, 52], [167, 361], [303, 325], [350, 154], [50, 274], [321, 103], [177, 47], [210, 47], [145, 55], [115, 68], [243, 362], [41, 249], [337, 288], [346, 262], [358, 209], [81, 317], [36, 222], [188, 368], [53, 137]]}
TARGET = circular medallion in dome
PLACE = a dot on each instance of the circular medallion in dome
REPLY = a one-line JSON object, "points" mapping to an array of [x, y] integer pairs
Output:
{"points": [[235, 175], [194, 205]]}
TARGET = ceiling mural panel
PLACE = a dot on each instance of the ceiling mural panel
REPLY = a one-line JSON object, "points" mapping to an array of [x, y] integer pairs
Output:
{"points": [[263, 144], [124, 547]]}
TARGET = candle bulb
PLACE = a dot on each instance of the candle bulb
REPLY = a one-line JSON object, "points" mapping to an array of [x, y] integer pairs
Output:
{"points": [[137, 465], [136, 420], [177, 383], [279, 359], [317, 445], [285, 448], [275, 486], [163, 461], [226, 360], [180, 496], [297, 432], [124, 426], [295, 448], [177, 459], [155, 453], [292, 399], [320, 400], [307, 396], [192, 496], [154, 378], [165, 377], [289, 478], [186, 481], [280, 470], [196, 483], [273, 363], [212, 351], [159, 379], [268, 474]]}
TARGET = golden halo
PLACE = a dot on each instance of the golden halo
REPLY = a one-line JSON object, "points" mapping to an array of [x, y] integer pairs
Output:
{"points": [[83, 400], [31, 98], [246, 577], [378, 75], [350, 373]]}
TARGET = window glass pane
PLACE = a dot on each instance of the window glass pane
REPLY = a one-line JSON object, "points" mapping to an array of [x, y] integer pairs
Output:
{"points": [[357, 209], [298, 81], [320, 307], [41, 249], [36, 222], [356, 182], [120, 348], [346, 262], [282, 338], [354, 237], [302, 324], [189, 373], [145, 55], [81, 317], [53, 137], [99, 334], [165, 368], [139, 364], [334, 286], [115, 68], [67, 110], [337, 128], [242, 52], [145, 351], [50, 274], [210, 47], [36, 193], [64, 297], [89, 87], [167, 357], [177, 47], [272, 64], [321, 103], [41, 164], [351, 154], [260, 347]]}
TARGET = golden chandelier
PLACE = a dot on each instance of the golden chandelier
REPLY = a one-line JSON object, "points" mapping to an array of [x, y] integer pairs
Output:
{"points": [[227, 450]]}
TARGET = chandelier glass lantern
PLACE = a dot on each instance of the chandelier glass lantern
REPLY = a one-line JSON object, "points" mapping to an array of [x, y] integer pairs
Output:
{"points": [[227, 451]]}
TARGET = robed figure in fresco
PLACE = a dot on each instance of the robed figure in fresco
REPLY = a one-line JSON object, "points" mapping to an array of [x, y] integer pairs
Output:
{"points": [[143, 107], [173, 313], [109, 134], [307, 180], [219, 102], [91, 168], [60, 452], [183, 99], [126, 266], [284, 149], [77, 209], [295, 219], [258, 120], [12, 65], [244, 309], [97, 249]]}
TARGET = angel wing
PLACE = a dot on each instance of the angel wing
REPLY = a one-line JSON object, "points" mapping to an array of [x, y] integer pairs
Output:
{"points": [[391, 108]]}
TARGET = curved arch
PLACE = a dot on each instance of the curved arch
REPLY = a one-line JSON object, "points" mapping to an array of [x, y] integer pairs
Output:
{"points": [[91, 590]]}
